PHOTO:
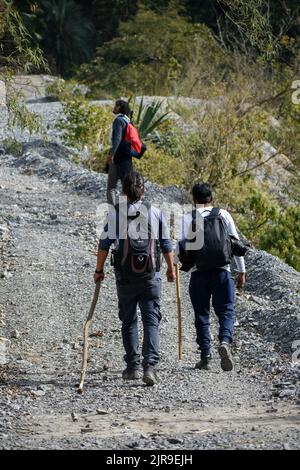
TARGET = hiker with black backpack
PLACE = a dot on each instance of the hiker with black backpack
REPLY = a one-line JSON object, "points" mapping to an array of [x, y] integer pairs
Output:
{"points": [[125, 144], [140, 234], [215, 238]]}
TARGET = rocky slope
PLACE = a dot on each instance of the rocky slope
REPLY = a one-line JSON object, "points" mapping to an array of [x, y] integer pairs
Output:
{"points": [[275, 173], [51, 213]]}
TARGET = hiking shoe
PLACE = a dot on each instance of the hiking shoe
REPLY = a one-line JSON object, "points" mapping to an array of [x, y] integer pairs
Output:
{"points": [[149, 377], [130, 374], [226, 357], [204, 364]]}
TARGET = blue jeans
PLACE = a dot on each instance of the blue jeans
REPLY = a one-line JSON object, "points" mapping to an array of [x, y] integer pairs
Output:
{"points": [[146, 294], [218, 285]]}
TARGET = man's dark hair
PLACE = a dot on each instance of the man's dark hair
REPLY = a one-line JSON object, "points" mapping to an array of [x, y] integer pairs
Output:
{"points": [[133, 186], [124, 108], [202, 193]]}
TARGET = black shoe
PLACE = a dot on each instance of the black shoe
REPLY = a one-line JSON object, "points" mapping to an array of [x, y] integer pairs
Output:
{"points": [[204, 364], [130, 374], [149, 377], [226, 357]]}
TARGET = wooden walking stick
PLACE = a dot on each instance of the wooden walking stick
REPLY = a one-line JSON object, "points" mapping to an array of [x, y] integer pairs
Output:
{"points": [[179, 313], [86, 336]]}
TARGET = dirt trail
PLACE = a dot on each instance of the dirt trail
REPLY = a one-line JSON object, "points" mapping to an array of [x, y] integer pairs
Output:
{"points": [[44, 298]]}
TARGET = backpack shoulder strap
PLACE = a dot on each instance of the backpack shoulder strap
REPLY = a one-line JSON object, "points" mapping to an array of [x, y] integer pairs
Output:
{"points": [[215, 212], [147, 205], [137, 214], [194, 216], [122, 118]]}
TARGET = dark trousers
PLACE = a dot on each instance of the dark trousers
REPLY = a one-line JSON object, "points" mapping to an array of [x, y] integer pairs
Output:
{"points": [[116, 172], [147, 295], [218, 285]]}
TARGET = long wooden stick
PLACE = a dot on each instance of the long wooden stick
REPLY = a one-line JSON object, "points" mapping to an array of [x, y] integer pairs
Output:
{"points": [[178, 293], [86, 336]]}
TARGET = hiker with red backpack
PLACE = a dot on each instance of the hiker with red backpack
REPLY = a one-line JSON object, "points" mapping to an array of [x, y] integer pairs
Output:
{"points": [[125, 144], [139, 233], [210, 240]]}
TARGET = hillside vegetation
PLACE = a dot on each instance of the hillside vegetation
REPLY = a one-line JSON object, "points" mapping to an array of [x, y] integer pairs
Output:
{"points": [[238, 61]]}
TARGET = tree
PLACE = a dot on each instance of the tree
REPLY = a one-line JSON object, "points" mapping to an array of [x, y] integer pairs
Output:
{"points": [[262, 27], [206, 11], [148, 56], [108, 15], [160, 5], [63, 33], [17, 56]]}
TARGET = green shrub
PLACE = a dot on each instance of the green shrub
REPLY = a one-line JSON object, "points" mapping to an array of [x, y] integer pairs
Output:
{"points": [[161, 167], [251, 205], [282, 238], [13, 146], [85, 125]]}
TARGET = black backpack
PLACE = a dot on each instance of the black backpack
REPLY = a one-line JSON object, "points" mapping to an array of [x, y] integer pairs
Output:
{"points": [[137, 258], [217, 246]]}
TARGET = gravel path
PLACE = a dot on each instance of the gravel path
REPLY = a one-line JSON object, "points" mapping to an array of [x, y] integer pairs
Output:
{"points": [[48, 230]]}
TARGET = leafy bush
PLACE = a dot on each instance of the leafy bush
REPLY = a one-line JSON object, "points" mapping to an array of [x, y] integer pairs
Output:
{"points": [[283, 237], [172, 141], [86, 125], [161, 167], [13, 147], [226, 145], [251, 205], [63, 90]]}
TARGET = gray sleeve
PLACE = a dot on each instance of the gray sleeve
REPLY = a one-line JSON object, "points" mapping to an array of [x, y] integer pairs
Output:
{"points": [[239, 260], [165, 241], [117, 134]]}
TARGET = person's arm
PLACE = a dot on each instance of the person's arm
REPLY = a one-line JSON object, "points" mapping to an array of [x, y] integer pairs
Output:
{"points": [[117, 136], [239, 260], [166, 247], [184, 238], [99, 271], [171, 275], [241, 280], [105, 243]]}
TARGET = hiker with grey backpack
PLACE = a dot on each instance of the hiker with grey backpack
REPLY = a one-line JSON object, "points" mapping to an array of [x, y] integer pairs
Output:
{"points": [[209, 242], [139, 234]]}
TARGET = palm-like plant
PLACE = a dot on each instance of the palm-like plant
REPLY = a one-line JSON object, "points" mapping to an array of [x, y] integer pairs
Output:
{"points": [[149, 118], [64, 32]]}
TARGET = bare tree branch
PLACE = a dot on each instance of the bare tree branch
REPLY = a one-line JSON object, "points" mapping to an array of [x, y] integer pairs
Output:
{"points": [[256, 166]]}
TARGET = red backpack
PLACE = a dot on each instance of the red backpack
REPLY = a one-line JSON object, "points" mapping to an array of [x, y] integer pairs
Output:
{"points": [[133, 142]]}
